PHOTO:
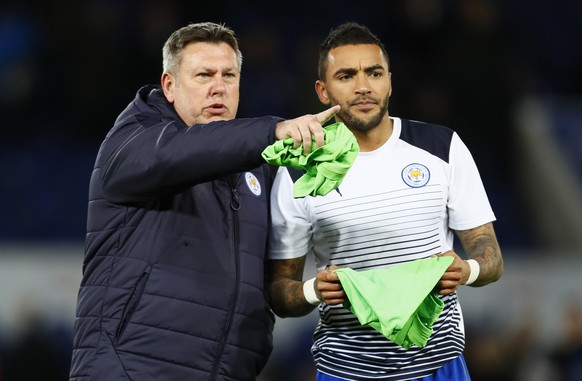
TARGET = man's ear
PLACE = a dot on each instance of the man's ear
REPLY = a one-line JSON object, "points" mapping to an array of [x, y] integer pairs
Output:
{"points": [[168, 82], [321, 92]]}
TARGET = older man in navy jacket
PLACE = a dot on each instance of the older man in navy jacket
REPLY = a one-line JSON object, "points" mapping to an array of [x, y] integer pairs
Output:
{"points": [[173, 284]]}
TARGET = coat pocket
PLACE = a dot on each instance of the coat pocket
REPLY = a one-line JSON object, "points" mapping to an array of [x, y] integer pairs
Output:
{"points": [[132, 304]]}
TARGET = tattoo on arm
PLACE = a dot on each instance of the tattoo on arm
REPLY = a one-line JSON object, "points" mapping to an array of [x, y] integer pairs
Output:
{"points": [[285, 287], [481, 244]]}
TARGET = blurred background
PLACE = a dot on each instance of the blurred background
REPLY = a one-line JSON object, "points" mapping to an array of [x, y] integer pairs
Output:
{"points": [[506, 75]]}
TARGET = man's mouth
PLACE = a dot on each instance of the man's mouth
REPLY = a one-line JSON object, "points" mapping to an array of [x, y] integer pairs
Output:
{"points": [[216, 108], [363, 104]]}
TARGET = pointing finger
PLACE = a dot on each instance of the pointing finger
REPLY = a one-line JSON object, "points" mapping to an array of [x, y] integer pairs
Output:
{"points": [[326, 115]]}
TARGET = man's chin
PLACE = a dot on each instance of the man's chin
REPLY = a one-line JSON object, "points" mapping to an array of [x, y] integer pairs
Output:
{"points": [[362, 121], [361, 124], [217, 118]]}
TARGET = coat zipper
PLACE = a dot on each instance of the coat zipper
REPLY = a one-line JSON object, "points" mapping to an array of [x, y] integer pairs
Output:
{"points": [[234, 206]]}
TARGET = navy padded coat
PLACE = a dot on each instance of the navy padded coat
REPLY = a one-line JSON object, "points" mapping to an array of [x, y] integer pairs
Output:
{"points": [[173, 276]]}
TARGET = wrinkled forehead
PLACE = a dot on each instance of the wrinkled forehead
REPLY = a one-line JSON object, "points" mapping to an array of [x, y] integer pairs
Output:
{"points": [[209, 54]]}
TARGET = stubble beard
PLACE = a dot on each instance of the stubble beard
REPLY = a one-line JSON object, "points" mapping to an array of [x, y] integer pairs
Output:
{"points": [[355, 123]]}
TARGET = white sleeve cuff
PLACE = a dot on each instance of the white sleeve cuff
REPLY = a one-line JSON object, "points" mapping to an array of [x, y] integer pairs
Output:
{"points": [[309, 292], [475, 268]]}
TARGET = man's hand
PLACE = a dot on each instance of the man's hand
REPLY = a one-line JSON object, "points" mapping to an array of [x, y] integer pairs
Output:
{"points": [[301, 129], [328, 287], [285, 287], [456, 274]]}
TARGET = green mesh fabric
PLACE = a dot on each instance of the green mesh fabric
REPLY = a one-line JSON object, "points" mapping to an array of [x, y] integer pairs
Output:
{"points": [[325, 167], [399, 302]]}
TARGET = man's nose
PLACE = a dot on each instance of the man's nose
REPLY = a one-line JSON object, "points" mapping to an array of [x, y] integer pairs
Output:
{"points": [[362, 84], [218, 86]]}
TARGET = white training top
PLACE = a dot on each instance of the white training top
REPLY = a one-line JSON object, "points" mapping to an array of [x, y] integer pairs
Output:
{"points": [[396, 204]]}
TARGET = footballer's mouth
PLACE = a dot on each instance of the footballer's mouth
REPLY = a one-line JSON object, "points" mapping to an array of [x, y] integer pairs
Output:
{"points": [[363, 103]]}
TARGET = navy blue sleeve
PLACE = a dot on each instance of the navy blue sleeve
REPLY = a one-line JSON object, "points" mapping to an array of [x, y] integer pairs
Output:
{"points": [[147, 155]]}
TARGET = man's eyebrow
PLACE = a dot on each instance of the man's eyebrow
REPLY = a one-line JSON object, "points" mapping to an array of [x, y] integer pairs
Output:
{"points": [[374, 68], [346, 70], [353, 71]]}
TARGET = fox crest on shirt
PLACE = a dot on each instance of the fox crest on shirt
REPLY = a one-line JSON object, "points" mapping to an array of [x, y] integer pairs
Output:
{"points": [[415, 175], [253, 183]]}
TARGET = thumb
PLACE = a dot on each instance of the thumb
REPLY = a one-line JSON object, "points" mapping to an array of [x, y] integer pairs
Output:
{"points": [[326, 115]]}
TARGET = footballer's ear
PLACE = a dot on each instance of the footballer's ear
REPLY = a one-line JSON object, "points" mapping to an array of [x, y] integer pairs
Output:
{"points": [[168, 82], [321, 92]]}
